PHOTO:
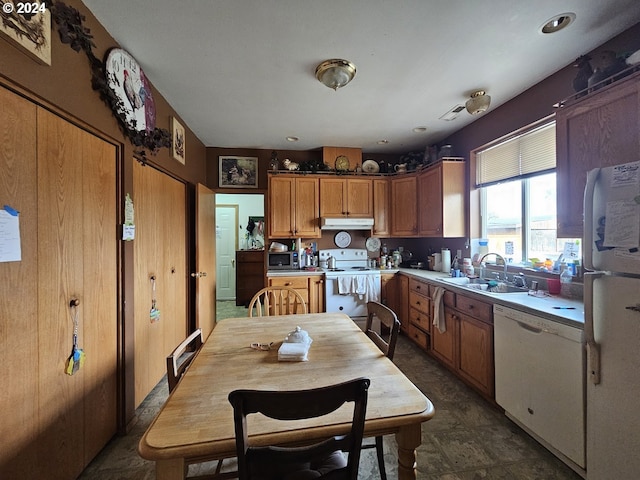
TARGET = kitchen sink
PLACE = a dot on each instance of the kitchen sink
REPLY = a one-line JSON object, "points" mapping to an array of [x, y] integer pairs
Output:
{"points": [[486, 285]]}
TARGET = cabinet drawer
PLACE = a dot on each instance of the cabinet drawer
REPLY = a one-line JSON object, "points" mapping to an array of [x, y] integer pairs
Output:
{"points": [[248, 256], [475, 308], [420, 319], [419, 287], [419, 302], [293, 282], [418, 336]]}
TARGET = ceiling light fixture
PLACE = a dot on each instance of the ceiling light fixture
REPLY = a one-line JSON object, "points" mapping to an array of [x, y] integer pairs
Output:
{"points": [[420, 129], [478, 102], [382, 142], [558, 22], [292, 139], [335, 73]]}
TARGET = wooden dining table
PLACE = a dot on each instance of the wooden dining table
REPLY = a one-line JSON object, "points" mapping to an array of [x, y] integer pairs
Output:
{"points": [[197, 418]]}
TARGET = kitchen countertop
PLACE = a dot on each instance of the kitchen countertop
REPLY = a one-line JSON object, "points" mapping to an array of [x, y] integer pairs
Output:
{"points": [[571, 312]]}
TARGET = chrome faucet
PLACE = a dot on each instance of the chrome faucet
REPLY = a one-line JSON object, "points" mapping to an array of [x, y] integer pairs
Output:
{"points": [[504, 262]]}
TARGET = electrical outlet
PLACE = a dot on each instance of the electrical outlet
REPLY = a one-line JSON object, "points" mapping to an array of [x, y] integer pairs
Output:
{"points": [[459, 253]]}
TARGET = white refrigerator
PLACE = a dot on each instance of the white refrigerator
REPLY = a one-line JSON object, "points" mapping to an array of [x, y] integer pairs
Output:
{"points": [[612, 321]]}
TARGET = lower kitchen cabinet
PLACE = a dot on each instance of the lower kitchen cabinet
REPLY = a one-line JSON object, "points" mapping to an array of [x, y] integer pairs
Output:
{"points": [[397, 294], [466, 345], [311, 288], [420, 313]]}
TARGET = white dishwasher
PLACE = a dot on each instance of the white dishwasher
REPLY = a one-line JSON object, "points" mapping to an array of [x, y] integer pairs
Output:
{"points": [[539, 380]]}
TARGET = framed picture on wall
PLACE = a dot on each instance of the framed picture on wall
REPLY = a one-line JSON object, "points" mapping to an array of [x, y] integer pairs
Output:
{"points": [[178, 141], [238, 172], [27, 25]]}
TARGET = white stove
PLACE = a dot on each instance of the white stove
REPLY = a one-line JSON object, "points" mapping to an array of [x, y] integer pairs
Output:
{"points": [[352, 283]]}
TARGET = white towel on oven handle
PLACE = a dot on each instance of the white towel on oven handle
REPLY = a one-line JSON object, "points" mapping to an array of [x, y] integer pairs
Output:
{"points": [[373, 288], [345, 283]]}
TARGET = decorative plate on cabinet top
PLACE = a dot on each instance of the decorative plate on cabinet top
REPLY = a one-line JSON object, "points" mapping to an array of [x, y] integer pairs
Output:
{"points": [[370, 166], [342, 239], [342, 163], [373, 244]]}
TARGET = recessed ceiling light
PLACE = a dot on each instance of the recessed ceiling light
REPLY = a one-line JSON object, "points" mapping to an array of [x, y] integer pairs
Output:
{"points": [[420, 129], [292, 139], [558, 22], [383, 142]]}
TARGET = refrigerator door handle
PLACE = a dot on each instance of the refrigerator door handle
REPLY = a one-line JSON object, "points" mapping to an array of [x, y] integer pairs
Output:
{"points": [[592, 347], [587, 245]]}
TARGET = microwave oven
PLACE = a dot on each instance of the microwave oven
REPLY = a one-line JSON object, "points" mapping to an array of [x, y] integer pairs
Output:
{"points": [[282, 261]]}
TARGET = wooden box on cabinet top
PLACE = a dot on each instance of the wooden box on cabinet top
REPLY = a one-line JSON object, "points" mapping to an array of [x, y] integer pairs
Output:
{"points": [[598, 130]]}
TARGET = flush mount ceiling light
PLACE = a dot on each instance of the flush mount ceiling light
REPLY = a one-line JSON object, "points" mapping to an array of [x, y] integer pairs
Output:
{"points": [[335, 73], [478, 102], [558, 22]]}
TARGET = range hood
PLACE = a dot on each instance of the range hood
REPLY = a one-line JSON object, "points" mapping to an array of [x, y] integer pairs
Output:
{"points": [[341, 223]]}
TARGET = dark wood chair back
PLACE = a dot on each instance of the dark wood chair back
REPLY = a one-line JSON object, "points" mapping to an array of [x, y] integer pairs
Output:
{"points": [[388, 322], [179, 360], [254, 461]]}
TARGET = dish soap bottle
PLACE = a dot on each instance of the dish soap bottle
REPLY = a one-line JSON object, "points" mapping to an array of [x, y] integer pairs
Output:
{"points": [[565, 280]]}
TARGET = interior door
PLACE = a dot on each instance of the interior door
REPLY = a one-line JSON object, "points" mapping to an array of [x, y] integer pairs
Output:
{"points": [[226, 244], [205, 259]]}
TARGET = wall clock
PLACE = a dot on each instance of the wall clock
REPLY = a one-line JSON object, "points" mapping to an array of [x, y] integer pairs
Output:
{"points": [[129, 84], [342, 239]]}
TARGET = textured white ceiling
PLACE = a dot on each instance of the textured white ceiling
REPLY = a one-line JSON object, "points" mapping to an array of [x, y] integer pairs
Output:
{"points": [[240, 73]]}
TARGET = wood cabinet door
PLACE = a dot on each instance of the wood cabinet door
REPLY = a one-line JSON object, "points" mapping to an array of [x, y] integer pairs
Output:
{"points": [[77, 259], [359, 198], [430, 202], [316, 294], [381, 225], [404, 220], [444, 345], [600, 130], [307, 208], [333, 197], [282, 206], [475, 361]]}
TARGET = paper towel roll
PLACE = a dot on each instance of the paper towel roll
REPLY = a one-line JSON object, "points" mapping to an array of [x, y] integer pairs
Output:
{"points": [[446, 260]]}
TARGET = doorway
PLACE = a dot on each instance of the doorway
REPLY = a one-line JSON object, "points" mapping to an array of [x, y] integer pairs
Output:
{"points": [[226, 243], [232, 215]]}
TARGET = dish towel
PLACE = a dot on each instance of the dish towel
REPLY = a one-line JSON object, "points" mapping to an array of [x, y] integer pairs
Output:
{"points": [[344, 284], [438, 310], [373, 289]]}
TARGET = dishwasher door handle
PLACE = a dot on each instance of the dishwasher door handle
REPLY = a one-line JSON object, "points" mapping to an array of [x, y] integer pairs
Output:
{"points": [[529, 327]]}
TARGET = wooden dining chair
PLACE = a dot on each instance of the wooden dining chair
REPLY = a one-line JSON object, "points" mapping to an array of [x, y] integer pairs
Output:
{"points": [[302, 461], [178, 362], [388, 322], [277, 301]]}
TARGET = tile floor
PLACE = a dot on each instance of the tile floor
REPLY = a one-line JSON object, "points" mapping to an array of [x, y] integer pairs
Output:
{"points": [[468, 439]]}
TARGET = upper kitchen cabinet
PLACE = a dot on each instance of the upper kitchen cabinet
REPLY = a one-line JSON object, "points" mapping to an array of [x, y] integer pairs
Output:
{"points": [[599, 129], [346, 197], [342, 158], [441, 190], [381, 226], [404, 205], [293, 206]]}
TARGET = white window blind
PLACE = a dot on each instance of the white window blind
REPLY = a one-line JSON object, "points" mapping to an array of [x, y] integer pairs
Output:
{"points": [[518, 157]]}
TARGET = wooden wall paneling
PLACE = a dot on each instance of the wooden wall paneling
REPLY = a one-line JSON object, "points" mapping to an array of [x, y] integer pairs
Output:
{"points": [[18, 302], [99, 307]]}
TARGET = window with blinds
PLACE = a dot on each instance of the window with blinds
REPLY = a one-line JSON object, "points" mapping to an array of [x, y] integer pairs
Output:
{"points": [[522, 156]]}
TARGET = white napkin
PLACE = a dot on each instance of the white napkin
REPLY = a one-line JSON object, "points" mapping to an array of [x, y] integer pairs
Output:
{"points": [[293, 352]]}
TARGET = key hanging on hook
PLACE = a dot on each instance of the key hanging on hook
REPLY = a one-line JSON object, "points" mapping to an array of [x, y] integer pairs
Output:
{"points": [[77, 357], [154, 313]]}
